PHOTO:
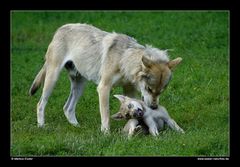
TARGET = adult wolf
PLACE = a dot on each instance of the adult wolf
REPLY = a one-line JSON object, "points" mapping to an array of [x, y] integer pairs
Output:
{"points": [[108, 59]]}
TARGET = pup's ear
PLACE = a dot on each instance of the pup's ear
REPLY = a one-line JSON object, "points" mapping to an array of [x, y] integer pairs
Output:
{"points": [[121, 98], [117, 116], [147, 62], [173, 63]]}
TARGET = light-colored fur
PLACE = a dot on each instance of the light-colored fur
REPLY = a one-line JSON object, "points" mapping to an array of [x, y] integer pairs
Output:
{"points": [[153, 119], [107, 59]]}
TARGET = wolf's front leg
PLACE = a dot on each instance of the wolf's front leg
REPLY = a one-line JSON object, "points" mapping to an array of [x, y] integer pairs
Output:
{"points": [[103, 92], [173, 125]]}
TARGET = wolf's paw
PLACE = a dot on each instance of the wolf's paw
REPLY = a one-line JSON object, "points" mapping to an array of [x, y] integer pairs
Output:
{"points": [[40, 125], [105, 131]]}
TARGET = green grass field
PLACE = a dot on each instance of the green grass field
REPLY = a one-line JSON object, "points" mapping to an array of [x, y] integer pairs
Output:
{"points": [[197, 97]]}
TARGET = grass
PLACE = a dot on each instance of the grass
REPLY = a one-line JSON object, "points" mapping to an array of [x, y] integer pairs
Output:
{"points": [[197, 97]]}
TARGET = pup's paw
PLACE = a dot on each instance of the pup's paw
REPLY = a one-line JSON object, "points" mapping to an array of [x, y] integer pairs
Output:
{"points": [[76, 125], [138, 128], [154, 132], [181, 131]]}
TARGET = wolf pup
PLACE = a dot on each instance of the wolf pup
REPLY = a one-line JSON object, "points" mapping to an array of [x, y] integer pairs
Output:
{"points": [[140, 115], [107, 59]]}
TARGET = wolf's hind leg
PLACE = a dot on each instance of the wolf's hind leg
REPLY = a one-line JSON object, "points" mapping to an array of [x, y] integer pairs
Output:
{"points": [[77, 87], [51, 77]]}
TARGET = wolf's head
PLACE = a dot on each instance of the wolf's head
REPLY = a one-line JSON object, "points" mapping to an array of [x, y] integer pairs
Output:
{"points": [[154, 78], [130, 108]]}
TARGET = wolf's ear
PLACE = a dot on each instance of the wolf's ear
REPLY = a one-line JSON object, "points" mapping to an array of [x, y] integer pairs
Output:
{"points": [[173, 63], [121, 98], [117, 116], [143, 75], [147, 62]]}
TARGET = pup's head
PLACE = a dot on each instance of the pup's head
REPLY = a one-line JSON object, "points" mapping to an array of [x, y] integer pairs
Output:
{"points": [[154, 78], [130, 108]]}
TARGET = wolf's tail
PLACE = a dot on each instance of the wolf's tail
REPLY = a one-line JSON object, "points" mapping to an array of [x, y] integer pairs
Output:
{"points": [[38, 81]]}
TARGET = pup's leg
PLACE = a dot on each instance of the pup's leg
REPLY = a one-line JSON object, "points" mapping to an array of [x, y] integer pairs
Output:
{"points": [[173, 125], [77, 86], [160, 124], [130, 127], [129, 90], [52, 74], [153, 129], [170, 122]]}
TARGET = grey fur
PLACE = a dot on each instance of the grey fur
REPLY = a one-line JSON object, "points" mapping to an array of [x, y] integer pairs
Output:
{"points": [[153, 119]]}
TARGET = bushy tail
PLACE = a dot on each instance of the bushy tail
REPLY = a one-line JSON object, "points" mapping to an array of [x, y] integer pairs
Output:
{"points": [[37, 81]]}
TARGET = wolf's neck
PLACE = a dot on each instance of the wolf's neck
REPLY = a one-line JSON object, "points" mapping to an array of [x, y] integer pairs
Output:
{"points": [[131, 64], [131, 61]]}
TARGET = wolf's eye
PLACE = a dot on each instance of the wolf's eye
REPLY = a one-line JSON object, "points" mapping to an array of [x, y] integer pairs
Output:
{"points": [[130, 106], [149, 89]]}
